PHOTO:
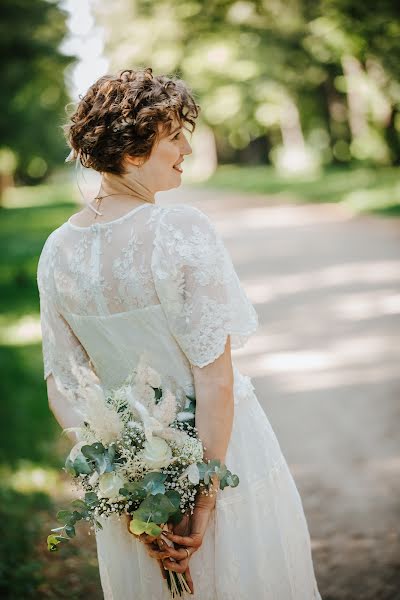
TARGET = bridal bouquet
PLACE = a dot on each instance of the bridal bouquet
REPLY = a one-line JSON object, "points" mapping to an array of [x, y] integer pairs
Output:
{"points": [[138, 454]]}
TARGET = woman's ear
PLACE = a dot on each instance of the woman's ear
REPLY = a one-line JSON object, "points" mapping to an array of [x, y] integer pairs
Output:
{"points": [[137, 161]]}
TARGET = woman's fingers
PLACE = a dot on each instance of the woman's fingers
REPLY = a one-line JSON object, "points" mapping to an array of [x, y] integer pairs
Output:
{"points": [[143, 537], [194, 540], [147, 539], [168, 552], [189, 579], [181, 528], [178, 567], [163, 571]]}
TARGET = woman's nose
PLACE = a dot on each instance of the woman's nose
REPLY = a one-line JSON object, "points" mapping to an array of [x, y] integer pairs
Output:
{"points": [[186, 147]]}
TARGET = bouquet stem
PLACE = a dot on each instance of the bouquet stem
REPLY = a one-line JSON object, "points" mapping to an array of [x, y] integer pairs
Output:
{"points": [[176, 581], [177, 584]]}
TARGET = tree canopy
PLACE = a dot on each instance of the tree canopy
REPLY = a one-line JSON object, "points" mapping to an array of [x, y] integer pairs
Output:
{"points": [[321, 74], [33, 93]]}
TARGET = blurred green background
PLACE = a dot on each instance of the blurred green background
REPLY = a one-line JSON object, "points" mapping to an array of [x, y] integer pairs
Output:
{"points": [[299, 99]]}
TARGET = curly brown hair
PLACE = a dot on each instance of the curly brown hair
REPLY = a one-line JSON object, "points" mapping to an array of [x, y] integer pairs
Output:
{"points": [[125, 115]]}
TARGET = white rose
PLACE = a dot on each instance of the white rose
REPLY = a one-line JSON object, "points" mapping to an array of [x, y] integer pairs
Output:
{"points": [[110, 484], [157, 453]]}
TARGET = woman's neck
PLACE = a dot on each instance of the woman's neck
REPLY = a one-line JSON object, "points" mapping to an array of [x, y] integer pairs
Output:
{"points": [[119, 188], [130, 183]]}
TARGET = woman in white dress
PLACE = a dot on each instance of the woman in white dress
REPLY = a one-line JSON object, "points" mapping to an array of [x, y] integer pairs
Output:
{"points": [[124, 276]]}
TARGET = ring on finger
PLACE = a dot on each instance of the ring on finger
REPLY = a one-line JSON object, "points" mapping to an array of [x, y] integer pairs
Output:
{"points": [[187, 552]]}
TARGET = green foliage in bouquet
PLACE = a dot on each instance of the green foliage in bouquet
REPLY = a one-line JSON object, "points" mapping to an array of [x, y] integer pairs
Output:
{"points": [[139, 455], [94, 457], [214, 467], [68, 519]]}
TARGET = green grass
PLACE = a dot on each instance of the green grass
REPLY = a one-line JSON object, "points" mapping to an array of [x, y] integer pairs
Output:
{"points": [[362, 189], [31, 449], [26, 425], [21, 516]]}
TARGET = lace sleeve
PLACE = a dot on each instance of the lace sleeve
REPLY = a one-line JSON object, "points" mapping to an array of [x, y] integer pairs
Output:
{"points": [[63, 355], [198, 287]]}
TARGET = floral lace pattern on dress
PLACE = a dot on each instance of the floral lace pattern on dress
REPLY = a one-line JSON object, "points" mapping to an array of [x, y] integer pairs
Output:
{"points": [[62, 351], [168, 256], [198, 286]]}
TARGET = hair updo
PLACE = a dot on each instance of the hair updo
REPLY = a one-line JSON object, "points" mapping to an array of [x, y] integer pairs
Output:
{"points": [[125, 115]]}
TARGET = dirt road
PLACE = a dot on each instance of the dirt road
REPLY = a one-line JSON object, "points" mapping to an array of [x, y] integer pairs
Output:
{"points": [[325, 363]]}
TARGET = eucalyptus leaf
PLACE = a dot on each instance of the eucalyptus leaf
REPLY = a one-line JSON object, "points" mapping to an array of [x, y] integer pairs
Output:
{"points": [[112, 452], [53, 541], [91, 499], [215, 462], [174, 497], [223, 483], [176, 517], [202, 469], [156, 508], [100, 456], [222, 472], [153, 482], [153, 529], [76, 515], [64, 516], [82, 465], [70, 530], [235, 480], [134, 490], [93, 450], [137, 527], [79, 505]]}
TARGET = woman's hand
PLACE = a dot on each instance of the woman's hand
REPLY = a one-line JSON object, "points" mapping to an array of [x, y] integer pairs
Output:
{"points": [[165, 553], [157, 548], [193, 540], [149, 541]]}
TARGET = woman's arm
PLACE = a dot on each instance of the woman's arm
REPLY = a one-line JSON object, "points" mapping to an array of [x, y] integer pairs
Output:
{"points": [[61, 408], [214, 409], [214, 419]]}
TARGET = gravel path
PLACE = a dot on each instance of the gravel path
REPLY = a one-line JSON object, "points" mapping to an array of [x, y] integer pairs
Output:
{"points": [[325, 363]]}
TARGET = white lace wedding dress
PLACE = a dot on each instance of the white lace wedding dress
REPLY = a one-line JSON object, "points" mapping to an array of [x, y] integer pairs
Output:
{"points": [[159, 279]]}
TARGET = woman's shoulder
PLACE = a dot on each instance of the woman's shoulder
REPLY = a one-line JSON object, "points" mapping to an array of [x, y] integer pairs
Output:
{"points": [[50, 246], [185, 215]]}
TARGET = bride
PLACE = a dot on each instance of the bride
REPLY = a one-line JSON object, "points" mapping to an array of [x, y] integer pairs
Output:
{"points": [[125, 276]]}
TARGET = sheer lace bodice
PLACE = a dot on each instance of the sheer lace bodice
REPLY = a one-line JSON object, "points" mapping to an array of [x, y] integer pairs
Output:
{"points": [[157, 279]]}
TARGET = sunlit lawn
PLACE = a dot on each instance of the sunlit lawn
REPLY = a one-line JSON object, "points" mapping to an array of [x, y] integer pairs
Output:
{"points": [[31, 448], [359, 188]]}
